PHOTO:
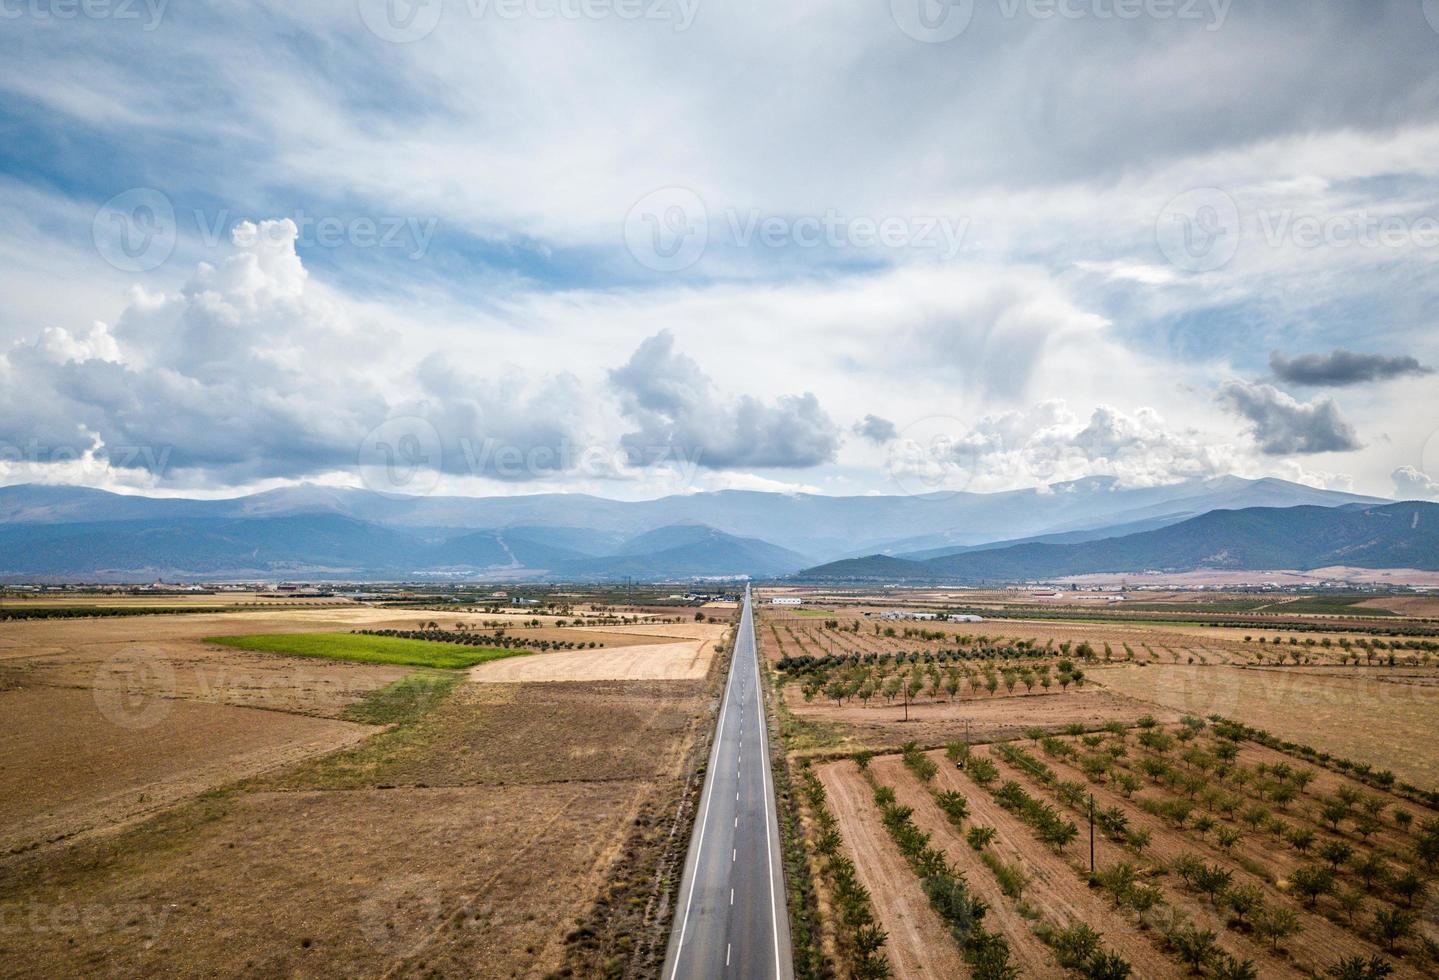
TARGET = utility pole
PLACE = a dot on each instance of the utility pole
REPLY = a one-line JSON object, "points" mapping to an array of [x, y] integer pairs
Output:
{"points": [[1091, 833]]}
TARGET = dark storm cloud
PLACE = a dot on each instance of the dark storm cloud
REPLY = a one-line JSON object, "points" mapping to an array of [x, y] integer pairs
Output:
{"points": [[1343, 367], [876, 429], [1283, 426]]}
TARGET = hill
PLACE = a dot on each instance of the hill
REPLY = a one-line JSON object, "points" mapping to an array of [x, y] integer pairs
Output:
{"points": [[1402, 535]]}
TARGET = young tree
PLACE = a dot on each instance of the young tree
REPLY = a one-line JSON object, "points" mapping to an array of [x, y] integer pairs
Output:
{"points": [[1393, 926], [1358, 968], [1274, 925], [1312, 882]]}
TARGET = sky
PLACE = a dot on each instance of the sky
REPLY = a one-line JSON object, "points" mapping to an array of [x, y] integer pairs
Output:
{"points": [[639, 247]]}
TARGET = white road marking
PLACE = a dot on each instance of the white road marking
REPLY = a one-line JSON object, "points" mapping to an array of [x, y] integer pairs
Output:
{"points": [[726, 954], [731, 896], [709, 796]]}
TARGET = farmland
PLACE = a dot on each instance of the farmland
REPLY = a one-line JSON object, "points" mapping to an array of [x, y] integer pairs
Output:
{"points": [[1261, 809], [230, 806], [368, 649]]}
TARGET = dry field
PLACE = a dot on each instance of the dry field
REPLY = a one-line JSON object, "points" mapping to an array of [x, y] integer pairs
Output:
{"points": [[1182, 831], [1213, 871], [176, 808], [657, 653], [1388, 722], [854, 726]]}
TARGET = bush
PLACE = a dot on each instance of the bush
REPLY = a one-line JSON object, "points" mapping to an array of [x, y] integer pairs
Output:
{"points": [[980, 837]]}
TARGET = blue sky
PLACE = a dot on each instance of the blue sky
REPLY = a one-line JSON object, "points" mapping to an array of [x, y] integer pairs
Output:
{"points": [[670, 246]]}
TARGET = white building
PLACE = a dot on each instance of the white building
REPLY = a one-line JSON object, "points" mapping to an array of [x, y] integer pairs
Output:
{"points": [[964, 618], [781, 600]]}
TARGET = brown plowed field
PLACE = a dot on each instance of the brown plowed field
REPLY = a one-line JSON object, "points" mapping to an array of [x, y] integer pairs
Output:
{"points": [[93, 772], [919, 947], [1322, 941], [989, 718], [1027, 953]]}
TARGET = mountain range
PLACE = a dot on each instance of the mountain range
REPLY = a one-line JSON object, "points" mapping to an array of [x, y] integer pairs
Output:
{"points": [[314, 532], [1402, 535]]}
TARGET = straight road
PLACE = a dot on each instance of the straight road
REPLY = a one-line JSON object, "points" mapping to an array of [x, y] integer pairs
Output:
{"points": [[731, 919]]}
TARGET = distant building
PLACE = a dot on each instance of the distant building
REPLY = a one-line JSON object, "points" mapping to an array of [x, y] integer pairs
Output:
{"points": [[903, 614], [964, 618], [781, 600]]}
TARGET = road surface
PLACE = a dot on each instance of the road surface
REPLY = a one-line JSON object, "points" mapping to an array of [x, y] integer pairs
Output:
{"points": [[731, 919]]}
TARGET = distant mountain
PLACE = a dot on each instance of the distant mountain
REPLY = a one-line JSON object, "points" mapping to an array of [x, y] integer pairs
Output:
{"points": [[1402, 535], [337, 533], [1061, 537], [332, 547], [686, 550], [809, 524]]}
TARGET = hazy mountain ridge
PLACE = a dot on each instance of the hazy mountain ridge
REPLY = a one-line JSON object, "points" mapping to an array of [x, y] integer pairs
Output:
{"points": [[324, 532], [1400, 535]]}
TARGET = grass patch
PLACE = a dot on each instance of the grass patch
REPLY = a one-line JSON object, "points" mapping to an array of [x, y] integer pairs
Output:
{"points": [[405, 701], [368, 649]]}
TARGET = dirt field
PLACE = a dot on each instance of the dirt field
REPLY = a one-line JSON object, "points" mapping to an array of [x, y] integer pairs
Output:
{"points": [[514, 802], [936, 722], [172, 807], [108, 759], [650, 659], [1367, 720], [919, 947], [1055, 890]]}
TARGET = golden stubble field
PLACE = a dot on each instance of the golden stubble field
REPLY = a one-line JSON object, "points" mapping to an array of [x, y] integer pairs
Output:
{"points": [[176, 808]]}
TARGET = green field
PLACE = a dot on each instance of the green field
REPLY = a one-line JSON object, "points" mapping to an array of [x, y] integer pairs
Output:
{"points": [[368, 649]]}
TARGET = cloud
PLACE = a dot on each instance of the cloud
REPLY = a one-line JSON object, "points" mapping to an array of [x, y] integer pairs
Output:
{"points": [[246, 373], [876, 429], [1047, 443], [681, 413], [1281, 425], [1411, 483], [1343, 367]]}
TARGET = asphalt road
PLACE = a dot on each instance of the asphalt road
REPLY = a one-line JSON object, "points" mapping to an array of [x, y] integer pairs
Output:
{"points": [[731, 919]]}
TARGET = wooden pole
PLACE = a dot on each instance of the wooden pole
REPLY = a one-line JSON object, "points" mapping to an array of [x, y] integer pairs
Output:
{"points": [[1091, 833]]}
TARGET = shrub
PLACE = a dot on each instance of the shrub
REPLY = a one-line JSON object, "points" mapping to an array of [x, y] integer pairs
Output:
{"points": [[980, 837], [1358, 968]]}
